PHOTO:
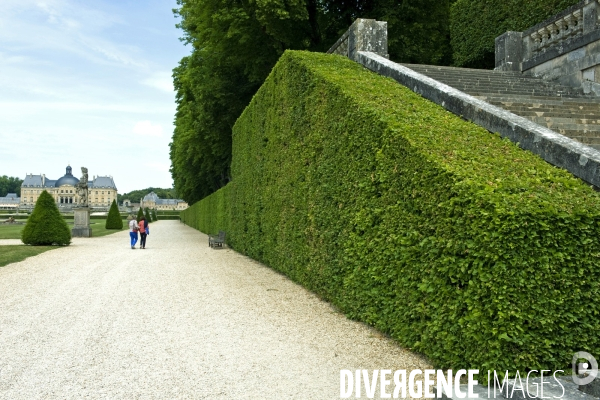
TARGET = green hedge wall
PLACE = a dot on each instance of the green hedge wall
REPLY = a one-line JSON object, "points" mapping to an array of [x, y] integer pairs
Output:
{"points": [[211, 214], [474, 24], [455, 242]]}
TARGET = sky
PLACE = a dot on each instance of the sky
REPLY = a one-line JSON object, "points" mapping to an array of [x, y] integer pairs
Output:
{"points": [[88, 83]]}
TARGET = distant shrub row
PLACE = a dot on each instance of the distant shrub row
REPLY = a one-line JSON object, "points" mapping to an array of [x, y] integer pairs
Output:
{"points": [[474, 25], [455, 242]]}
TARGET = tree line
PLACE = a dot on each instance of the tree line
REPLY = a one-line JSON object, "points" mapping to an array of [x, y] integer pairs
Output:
{"points": [[236, 43], [10, 184], [135, 195]]}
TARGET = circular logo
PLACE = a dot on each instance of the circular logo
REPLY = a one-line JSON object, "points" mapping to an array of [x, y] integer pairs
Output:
{"points": [[584, 372]]}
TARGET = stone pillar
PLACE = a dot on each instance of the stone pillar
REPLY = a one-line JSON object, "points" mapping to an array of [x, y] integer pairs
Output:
{"points": [[509, 51], [363, 35], [590, 16], [367, 35], [81, 219]]}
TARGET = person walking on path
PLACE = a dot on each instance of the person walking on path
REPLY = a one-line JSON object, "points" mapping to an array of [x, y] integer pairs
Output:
{"points": [[133, 232], [144, 231]]}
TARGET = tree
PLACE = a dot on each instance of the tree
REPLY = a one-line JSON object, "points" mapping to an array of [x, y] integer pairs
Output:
{"points": [[46, 226], [154, 218], [136, 195], [10, 185], [114, 221], [148, 217], [237, 43], [140, 214]]}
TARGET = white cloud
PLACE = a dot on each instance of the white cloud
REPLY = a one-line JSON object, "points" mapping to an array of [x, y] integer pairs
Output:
{"points": [[66, 26], [160, 80], [146, 128]]}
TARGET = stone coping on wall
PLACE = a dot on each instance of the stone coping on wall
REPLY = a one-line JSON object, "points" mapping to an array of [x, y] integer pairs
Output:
{"points": [[579, 159]]}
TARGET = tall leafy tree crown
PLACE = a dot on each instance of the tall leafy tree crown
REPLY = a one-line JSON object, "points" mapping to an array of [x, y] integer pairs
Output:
{"points": [[45, 225], [236, 44]]}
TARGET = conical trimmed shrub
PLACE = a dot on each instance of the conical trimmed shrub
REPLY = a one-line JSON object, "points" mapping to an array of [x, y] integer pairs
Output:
{"points": [[154, 215], [45, 226], [114, 221], [140, 214], [148, 217]]}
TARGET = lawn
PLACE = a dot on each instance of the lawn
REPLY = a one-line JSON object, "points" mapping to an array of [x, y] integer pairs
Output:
{"points": [[10, 231], [98, 228], [16, 253], [97, 225]]}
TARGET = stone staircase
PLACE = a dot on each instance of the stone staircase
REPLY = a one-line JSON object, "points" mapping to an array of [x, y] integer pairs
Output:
{"points": [[563, 109]]}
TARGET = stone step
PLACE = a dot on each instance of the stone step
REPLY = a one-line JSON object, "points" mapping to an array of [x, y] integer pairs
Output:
{"points": [[560, 120], [556, 113], [478, 82], [542, 100], [503, 83], [541, 112], [492, 76], [588, 109], [563, 109], [581, 131], [538, 90], [470, 71], [515, 92]]}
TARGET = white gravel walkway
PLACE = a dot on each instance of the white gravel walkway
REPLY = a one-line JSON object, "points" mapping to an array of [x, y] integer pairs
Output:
{"points": [[178, 320], [9, 242]]}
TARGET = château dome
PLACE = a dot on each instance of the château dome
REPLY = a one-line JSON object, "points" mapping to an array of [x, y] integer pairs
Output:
{"points": [[67, 179]]}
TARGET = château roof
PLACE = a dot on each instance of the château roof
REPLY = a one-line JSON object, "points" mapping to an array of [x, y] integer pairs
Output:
{"points": [[98, 182], [10, 198], [153, 197]]}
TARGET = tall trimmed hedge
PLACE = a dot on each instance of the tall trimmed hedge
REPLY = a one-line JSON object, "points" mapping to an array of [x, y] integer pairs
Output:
{"points": [[211, 214], [113, 220], [474, 25], [46, 226], [452, 240]]}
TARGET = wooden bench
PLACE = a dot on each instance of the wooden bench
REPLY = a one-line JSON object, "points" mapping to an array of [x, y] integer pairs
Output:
{"points": [[216, 240]]}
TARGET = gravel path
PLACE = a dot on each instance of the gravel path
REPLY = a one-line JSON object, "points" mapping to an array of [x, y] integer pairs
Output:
{"points": [[175, 321], [9, 242]]}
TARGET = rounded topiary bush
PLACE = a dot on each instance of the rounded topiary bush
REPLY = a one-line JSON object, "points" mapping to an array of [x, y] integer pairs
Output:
{"points": [[114, 221], [45, 225], [148, 217]]}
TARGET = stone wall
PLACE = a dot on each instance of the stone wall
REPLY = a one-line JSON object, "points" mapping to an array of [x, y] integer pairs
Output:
{"points": [[564, 48]]}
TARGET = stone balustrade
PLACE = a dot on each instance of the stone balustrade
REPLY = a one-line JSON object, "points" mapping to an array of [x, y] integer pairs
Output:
{"points": [[564, 48], [554, 31]]}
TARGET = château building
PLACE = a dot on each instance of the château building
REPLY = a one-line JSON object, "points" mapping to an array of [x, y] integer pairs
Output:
{"points": [[101, 190], [9, 202], [152, 201]]}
